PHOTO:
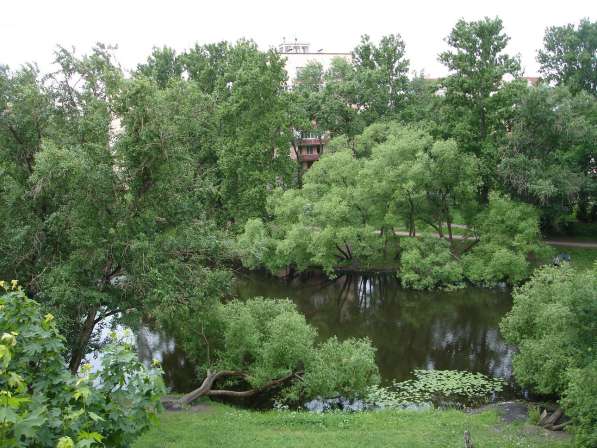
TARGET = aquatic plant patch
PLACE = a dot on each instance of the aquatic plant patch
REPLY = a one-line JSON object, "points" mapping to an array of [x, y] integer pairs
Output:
{"points": [[439, 387]]}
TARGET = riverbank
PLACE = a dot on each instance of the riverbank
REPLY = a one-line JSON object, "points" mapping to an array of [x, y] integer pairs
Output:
{"points": [[216, 425]]}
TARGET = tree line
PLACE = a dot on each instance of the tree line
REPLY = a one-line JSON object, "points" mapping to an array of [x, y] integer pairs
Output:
{"points": [[122, 192]]}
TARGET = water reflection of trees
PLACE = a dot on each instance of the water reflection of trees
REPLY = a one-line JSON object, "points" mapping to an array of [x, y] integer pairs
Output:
{"points": [[412, 329], [179, 373]]}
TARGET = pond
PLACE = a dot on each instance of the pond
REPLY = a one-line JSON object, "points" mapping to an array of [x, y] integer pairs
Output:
{"points": [[410, 329]]}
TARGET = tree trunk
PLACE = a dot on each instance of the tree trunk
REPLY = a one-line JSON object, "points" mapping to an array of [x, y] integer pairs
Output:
{"points": [[299, 163], [82, 341], [206, 387], [543, 417], [468, 443], [553, 419], [560, 426]]}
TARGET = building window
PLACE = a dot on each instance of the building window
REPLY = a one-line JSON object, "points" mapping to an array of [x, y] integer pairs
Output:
{"points": [[309, 150]]}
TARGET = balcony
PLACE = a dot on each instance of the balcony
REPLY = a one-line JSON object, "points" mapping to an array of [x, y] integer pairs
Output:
{"points": [[312, 141], [309, 157]]}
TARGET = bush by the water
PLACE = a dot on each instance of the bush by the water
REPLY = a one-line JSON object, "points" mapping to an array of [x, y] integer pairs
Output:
{"points": [[266, 345], [43, 405], [427, 262], [553, 322]]}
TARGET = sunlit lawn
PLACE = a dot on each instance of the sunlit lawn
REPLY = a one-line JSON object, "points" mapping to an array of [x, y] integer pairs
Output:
{"points": [[221, 426]]}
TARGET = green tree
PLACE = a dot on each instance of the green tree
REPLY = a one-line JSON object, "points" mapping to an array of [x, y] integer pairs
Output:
{"points": [[163, 66], [309, 79], [548, 158], [507, 232], [569, 56], [323, 224], [254, 130], [266, 343], [105, 221], [205, 65], [381, 75], [553, 323], [427, 262], [473, 90], [450, 179], [423, 101], [339, 113], [244, 143], [391, 178]]}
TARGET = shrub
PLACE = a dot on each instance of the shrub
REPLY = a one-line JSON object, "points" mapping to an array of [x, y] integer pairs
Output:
{"points": [[254, 245], [509, 232], [427, 262], [580, 402], [266, 345], [43, 405], [554, 324], [489, 264], [263, 338], [344, 369]]}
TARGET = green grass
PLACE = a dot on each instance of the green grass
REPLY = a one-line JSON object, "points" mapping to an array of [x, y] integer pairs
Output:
{"points": [[580, 258], [222, 426]]}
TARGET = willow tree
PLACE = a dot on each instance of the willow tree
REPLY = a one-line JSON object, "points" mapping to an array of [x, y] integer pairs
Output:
{"points": [[99, 221], [265, 345]]}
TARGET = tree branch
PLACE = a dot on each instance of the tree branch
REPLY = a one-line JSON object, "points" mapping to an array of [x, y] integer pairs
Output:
{"points": [[211, 378]]}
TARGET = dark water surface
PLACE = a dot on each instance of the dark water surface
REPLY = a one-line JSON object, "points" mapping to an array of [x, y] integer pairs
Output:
{"points": [[410, 329]]}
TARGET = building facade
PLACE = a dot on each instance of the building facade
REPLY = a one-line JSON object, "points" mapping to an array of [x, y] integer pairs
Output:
{"points": [[308, 146]]}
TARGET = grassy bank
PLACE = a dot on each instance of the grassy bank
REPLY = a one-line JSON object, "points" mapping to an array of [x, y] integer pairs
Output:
{"points": [[222, 426], [581, 258]]}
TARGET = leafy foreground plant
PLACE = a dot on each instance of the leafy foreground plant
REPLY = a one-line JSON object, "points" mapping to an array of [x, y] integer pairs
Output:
{"points": [[43, 405], [440, 387]]}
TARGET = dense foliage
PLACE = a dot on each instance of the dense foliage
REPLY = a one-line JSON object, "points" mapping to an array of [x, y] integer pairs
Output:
{"points": [[43, 405], [112, 190], [134, 194], [548, 157], [554, 325], [352, 211], [265, 345], [427, 262], [508, 233], [568, 56]]}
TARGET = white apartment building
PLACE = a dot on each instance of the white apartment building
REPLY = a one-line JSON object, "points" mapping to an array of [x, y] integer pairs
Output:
{"points": [[299, 54]]}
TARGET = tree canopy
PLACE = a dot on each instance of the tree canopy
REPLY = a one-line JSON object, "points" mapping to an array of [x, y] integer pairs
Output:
{"points": [[568, 56]]}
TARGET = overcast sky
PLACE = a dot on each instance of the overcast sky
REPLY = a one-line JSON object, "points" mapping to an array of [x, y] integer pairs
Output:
{"points": [[30, 30]]}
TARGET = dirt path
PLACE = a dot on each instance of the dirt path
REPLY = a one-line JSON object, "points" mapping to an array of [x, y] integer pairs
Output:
{"points": [[584, 244], [563, 243]]}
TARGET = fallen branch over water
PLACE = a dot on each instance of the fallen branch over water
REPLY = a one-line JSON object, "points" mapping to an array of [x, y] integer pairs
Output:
{"points": [[206, 387]]}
